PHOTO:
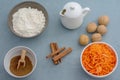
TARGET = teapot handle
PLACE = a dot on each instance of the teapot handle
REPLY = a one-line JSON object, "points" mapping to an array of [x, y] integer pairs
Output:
{"points": [[85, 11]]}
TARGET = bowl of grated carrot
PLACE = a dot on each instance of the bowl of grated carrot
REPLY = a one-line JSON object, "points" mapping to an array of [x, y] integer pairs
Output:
{"points": [[99, 59]]}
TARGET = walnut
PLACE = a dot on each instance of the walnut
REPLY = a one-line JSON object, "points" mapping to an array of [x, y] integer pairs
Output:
{"points": [[91, 27], [84, 39], [102, 29], [103, 20], [96, 37]]}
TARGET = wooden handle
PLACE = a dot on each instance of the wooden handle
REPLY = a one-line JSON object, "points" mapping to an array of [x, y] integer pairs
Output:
{"points": [[23, 53]]}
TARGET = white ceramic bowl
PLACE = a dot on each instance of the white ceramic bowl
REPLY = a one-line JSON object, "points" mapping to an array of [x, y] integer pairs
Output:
{"points": [[97, 76], [15, 52]]}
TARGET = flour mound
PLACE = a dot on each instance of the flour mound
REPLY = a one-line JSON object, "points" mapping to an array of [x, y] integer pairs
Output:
{"points": [[28, 22]]}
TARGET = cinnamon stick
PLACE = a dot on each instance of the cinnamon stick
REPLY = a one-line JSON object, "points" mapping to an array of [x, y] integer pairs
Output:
{"points": [[54, 47], [62, 54], [54, 53]]}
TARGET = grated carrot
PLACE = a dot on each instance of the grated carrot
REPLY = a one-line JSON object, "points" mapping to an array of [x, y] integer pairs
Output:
{"points": [[99, 59]]}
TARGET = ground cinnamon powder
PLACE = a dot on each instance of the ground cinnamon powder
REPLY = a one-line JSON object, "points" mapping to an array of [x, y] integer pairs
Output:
{"points": [[22, 70]]}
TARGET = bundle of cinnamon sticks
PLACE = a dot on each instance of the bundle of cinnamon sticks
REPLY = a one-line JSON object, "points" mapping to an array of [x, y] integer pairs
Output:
{"points": [[57, 53]]}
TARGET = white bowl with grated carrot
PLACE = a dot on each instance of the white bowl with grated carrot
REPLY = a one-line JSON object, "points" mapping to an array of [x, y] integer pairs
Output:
{"points": [[99, 59]]}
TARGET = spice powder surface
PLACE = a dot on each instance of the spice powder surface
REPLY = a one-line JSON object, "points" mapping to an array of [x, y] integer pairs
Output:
{"points": [[22, 70]]}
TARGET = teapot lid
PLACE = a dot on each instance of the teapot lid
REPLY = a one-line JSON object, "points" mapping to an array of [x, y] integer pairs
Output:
{"points": [[72, 9]]}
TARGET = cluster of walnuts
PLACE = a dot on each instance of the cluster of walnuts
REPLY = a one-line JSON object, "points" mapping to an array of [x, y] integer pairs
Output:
{"points": [[98, 31]]}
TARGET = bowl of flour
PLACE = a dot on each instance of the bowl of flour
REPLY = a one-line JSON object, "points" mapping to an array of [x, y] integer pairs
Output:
{"points": [[28, 19]]}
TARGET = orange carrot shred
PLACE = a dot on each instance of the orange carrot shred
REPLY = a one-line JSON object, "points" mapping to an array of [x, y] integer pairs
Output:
{"points": [[99, 59]]}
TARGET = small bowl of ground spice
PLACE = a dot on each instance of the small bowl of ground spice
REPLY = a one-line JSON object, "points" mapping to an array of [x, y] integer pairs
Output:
{"points": [[28, 19], [20, 61], [99, 59]]}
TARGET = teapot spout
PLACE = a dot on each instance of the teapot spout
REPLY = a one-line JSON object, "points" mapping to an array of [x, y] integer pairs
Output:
{"points": [[62, 13], [85, 11]]}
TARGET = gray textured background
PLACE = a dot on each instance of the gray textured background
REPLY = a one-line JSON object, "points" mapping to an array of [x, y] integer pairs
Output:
{"points": [[70, 68]]}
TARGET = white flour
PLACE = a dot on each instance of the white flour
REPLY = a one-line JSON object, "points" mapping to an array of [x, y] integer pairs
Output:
{"points": [[28, 22]]}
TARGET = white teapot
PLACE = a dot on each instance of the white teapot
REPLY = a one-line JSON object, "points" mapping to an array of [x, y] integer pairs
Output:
{"points": [[72, 15]]}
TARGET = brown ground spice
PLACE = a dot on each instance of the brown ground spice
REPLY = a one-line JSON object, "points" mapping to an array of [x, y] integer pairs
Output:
{"points": [[22, 70]]}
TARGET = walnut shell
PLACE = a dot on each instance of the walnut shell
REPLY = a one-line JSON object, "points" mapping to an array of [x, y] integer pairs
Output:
{"points": [[96, 37], [102, 29], [84, 39], [91, 27], [103, 20]]}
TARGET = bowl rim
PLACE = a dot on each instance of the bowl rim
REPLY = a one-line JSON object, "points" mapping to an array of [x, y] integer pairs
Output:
{"points": [[9, 21], [10, 73], [96, 76]]}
